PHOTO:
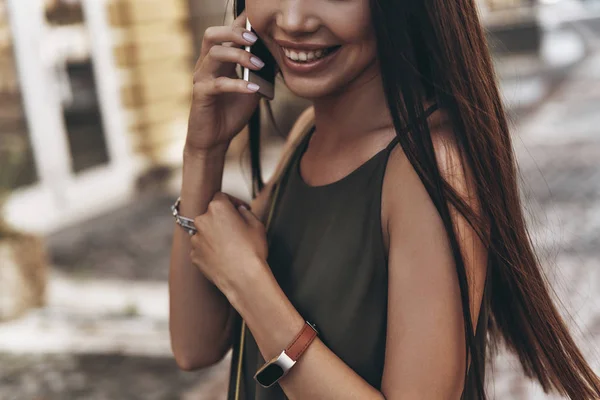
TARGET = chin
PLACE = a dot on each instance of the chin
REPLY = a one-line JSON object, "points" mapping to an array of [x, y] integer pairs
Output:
{"points": [[310, 88], [308, 93]]}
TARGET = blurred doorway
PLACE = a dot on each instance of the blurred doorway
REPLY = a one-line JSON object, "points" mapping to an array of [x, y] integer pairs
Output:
{"points": [[71, 101]]}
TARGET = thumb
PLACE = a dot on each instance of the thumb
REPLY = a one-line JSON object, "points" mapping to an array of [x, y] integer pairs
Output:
{"points": [[236, 201], [248, 215]]}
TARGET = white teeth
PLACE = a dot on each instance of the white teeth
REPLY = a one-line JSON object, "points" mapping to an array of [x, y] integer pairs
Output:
{"points": [[304, 56]]}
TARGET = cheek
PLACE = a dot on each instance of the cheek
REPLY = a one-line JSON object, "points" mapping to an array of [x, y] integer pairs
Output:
{"points": [[358, 37], [359, 41], [259, 12], [351, 23]]}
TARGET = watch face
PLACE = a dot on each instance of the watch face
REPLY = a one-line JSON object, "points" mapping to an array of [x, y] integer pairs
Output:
{"points": [[269, 374]]}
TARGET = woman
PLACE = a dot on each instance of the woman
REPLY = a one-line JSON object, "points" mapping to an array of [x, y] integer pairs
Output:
{"points": [[404, 256]]}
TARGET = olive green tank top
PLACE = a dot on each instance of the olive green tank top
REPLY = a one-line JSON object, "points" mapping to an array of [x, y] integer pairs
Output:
{"points": [[327, 253]]}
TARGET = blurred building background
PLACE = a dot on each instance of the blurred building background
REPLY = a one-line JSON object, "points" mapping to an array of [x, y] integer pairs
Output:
{"points": [[94, 96]]}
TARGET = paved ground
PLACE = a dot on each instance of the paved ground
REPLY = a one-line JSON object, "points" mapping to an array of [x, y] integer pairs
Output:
{"points": [[91, 377], [104, 333], [559, 154]]}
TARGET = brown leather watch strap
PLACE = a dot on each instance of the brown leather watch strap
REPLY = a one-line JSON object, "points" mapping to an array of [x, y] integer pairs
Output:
{"points": [[301, 342]]}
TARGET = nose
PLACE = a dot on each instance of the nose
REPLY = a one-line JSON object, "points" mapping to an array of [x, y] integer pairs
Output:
{"points": [[295, 17]]}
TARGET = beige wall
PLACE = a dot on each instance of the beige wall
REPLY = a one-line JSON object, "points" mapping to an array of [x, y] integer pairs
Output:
{"points": [[153, 49], [504, 4], [12, 114]]}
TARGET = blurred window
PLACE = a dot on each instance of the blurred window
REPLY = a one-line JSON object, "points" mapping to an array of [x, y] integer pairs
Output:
{"points": [[75, 73]]}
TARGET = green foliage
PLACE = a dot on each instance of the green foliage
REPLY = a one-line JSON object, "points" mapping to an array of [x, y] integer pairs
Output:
{"points": [[12, 156]]}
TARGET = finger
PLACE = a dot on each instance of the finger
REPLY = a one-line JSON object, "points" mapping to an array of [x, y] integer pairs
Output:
{"points": [[218, 35], [240, 20], [236, 202], [249, 216], [224, 84], [218, 56], [198, 224], [221, 202]]}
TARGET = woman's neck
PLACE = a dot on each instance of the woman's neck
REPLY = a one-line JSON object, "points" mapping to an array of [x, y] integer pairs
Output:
{"points": [[350, 114]]}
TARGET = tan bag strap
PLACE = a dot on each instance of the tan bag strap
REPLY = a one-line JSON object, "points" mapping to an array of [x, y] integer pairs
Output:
{"points": [[298, 132]]}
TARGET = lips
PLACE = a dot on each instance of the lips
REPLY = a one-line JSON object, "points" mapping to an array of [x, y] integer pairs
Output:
{"points": [[301, 55], [321, 60]]}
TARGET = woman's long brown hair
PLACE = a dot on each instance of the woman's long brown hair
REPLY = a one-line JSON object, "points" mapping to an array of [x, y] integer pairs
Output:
{"points": [[437, 49]]}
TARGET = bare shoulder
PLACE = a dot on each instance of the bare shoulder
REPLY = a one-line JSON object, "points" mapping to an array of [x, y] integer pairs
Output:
{"points": [[404, 195], [423, 289], [410, 220], [304, 120]]}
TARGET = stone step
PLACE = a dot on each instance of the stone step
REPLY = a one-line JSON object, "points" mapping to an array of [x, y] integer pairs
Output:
{"points": [[93, 316]]}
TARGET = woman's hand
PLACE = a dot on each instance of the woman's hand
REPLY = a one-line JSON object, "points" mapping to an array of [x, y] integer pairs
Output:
{"points": [[221, 103], [231, 245]]}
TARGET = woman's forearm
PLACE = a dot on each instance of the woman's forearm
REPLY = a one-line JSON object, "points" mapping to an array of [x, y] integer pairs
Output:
{"points": [[274, 322], [199, 312]]}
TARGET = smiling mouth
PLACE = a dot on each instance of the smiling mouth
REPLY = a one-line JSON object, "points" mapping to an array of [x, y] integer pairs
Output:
{"points": [[301, 56]]}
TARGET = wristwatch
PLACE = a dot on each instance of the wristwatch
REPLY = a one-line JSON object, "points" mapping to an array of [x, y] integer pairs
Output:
{"points": [[279, 366]]}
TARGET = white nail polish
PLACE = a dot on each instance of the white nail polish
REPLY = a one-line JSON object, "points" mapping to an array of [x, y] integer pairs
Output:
{"points": [[249, 36], [257, 61]]}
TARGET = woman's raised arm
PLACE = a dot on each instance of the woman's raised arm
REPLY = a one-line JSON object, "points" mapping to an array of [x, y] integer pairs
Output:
{"points": [[199, 315]]}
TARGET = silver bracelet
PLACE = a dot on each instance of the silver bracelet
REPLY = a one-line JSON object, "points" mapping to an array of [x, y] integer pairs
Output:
{"points": [[185, 223]]}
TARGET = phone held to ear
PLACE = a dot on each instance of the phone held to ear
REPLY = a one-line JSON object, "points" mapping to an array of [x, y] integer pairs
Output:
{"points": [[264, 77]]}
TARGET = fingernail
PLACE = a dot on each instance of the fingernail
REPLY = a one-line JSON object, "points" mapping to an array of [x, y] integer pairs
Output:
{"points": [[244, 207], [253, 86], [249, 36], [257, 61]]}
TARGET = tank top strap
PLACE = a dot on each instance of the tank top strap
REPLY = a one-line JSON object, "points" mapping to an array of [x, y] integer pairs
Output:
{"points": [[386, 152]]}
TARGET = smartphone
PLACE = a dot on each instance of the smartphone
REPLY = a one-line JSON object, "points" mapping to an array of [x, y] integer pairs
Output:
{"points": [[264, 77]]}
